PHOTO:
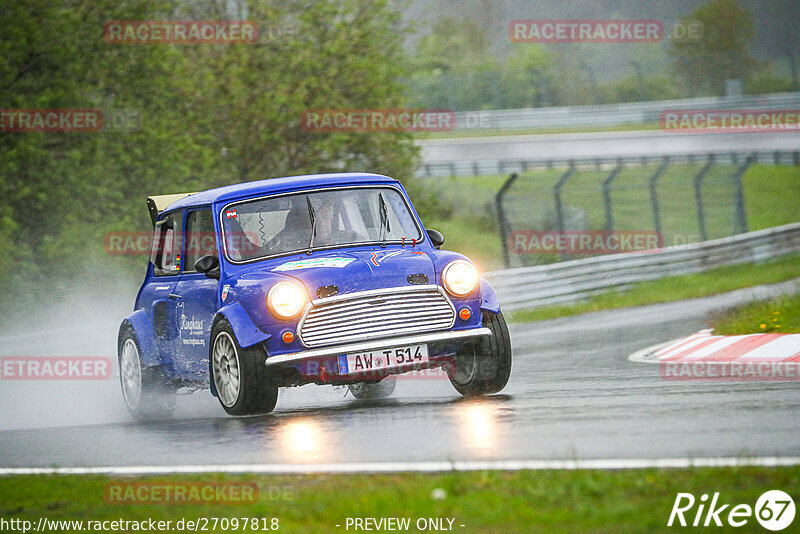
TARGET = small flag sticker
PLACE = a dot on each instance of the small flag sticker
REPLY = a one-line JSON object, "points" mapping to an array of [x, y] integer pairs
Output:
{"points": [[230, 214]]}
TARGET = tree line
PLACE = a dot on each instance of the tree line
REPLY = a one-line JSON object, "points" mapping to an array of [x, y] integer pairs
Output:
{"points": [[456, 65], [206, 115]]}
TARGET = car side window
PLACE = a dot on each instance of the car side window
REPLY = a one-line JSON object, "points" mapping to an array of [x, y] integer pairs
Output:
{"points": [[200, 239], [165, 255]]}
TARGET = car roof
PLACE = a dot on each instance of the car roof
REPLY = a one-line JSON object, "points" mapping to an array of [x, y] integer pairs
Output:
{"points": [[277, 185]]}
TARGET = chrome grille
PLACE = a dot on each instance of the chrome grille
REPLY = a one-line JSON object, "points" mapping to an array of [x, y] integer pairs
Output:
{"points": [[375, 314]]}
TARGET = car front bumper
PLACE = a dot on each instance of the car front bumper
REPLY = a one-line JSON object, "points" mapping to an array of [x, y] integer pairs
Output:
{"points": [[362, 346]]}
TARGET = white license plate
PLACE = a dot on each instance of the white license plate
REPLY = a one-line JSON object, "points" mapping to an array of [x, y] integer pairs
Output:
{"points": [[360, 362]]}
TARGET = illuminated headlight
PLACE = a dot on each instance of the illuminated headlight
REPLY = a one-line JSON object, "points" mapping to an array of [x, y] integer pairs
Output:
{"points": [[460, 278], [286, 300]]}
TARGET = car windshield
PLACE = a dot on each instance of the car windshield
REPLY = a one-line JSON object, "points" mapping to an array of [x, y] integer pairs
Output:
{"points": [[316, 220]]}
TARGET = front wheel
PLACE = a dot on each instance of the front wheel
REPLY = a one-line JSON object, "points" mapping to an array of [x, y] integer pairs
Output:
{"points": [[486, 367], [147, 393], [241, 377], [366, 391]]}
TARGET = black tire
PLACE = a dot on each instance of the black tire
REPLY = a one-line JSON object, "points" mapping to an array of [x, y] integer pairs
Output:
{"points": [[485, 368], [373, 391], [156, 394], [255, 392]]}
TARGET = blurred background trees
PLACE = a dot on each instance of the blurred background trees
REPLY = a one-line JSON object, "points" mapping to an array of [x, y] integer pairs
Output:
{"points": [[467, 63], [723, 52], [219, 114], [210, 115]]}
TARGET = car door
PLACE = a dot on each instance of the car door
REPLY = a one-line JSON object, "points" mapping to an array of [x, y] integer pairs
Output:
{"points": [[196, 296], [157, 296]]}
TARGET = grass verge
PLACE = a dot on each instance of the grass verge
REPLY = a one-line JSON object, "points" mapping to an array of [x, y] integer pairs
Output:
{"points": [[675, 288], [776, 316], [611, 501]]}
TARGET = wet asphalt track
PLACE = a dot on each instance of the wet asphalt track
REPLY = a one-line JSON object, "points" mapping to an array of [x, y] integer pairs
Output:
{"points": [[573, 395]]}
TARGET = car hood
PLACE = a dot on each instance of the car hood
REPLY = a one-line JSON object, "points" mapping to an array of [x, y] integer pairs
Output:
{"points": [[356, 270]]}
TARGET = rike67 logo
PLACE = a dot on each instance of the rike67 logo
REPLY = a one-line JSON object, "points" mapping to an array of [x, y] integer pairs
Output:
{"points": [[774, 510]]}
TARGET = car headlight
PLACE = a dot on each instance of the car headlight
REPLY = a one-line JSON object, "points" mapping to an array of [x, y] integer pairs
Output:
{"points": [[460, 278], [286, 300]]}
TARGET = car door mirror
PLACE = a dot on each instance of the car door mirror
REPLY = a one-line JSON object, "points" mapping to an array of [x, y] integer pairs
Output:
{"points": [[208, 265], [437, 239]]}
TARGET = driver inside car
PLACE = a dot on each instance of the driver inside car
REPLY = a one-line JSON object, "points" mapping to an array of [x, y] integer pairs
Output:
{"points": [[326, 221], [296, 230], [333, 226]]}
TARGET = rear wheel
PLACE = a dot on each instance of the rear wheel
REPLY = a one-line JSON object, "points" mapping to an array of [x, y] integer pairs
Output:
{"points": [[147, 393], [485, 367], [241, 377], [368, 391]]}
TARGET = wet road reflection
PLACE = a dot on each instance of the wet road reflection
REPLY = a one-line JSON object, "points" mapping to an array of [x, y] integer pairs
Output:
{"points": [[346, 432]]}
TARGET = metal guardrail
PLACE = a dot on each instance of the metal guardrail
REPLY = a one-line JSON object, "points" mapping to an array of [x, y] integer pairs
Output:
{"points": [[572, 281], [613, 114], [495, 166]]}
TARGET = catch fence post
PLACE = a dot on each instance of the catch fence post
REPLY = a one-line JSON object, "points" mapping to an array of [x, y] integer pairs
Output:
{"points": [[741, 215], [557, 193], [654, 194], [501, 218], [698, 196], [607, 195]]}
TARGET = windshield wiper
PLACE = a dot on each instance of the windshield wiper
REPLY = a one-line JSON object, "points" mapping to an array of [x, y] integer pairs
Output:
{"points": [[313, 225], [384, 214]]}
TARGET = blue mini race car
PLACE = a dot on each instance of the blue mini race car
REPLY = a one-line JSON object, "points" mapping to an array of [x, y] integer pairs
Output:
{"points": [[326, 279]]}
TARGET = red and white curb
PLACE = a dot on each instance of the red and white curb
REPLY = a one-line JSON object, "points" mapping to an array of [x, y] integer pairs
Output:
{"points": [[706, 347], [704, 356]]}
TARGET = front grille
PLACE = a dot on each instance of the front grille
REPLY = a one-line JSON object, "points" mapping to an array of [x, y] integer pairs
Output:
{"points": [[376, 314]]}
